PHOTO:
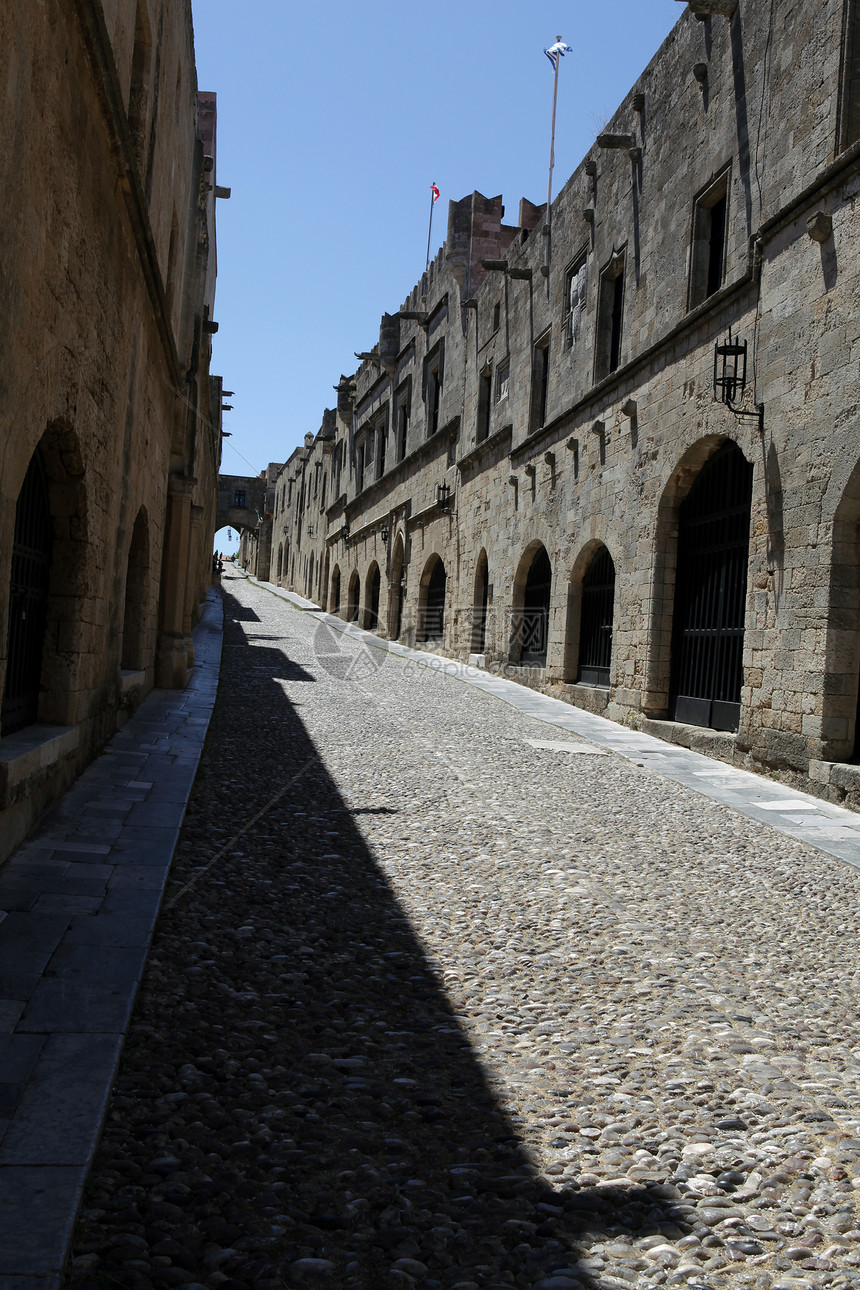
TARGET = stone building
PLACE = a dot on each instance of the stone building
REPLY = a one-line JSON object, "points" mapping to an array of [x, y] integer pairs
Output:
{"points": [[111, 420], [614, 448]]}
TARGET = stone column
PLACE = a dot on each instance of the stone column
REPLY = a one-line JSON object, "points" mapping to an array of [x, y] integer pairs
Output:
{"points": [[171, 659]]}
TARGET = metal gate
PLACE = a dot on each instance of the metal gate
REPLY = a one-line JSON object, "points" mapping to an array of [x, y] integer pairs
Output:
{"points": [[595, 623], [434, 614], [28, 600], [710, 594], [373, 607], [535, 629]]}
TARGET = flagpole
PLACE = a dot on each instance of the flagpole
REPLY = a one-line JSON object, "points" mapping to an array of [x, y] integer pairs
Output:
{"points": [[548, 221], [430, 226]]}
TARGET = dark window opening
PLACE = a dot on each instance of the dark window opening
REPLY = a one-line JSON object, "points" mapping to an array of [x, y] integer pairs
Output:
{"points": [[434, 400], [380, 456], [402, 428], [536, 600], [239, 498], [359, 468], [485, 398], [716, 243], [28, 601], [540, 384], [610, 318], [708, 253], [497, 315], [595, 630], [617, 314]]}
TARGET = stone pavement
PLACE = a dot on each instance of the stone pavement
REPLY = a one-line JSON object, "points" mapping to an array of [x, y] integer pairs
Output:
{"points": [[78, 903], [446, 998], [820, 824]]}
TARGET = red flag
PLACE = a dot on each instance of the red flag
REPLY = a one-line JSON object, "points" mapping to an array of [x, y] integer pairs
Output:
{"points": [[435, 191]]}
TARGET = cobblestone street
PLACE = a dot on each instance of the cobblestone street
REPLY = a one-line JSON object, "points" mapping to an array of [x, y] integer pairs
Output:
{"points": [[431, 1006]]}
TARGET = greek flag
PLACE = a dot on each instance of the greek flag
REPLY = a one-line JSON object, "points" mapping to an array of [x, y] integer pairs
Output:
{"points": [[557, 51]]}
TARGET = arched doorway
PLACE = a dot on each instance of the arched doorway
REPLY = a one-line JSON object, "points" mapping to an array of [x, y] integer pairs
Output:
{"points": [[371, 597], [710, 593], [395, 591], [535, 610], [334, 601], [431, 618], [595, 622], [136, 597], [280, 560], [479, 605], [353, 598], [28, 599], [309, 585]]}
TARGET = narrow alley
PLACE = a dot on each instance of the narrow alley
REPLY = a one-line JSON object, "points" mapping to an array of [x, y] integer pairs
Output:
{"points": [[432, 1005]]}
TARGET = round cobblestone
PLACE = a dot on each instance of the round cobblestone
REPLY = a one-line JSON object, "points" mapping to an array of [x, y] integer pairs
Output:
{"points": [[428, 1006]]}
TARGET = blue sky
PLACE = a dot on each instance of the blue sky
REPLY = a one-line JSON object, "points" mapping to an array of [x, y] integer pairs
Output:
{"points": [[333, 121]]}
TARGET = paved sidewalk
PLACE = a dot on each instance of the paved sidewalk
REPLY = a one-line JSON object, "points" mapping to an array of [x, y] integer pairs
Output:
{"points": [[78, 903], [823, 825]]}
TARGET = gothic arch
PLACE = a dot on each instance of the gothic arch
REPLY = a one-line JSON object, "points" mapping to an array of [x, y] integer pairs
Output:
{"points": [[353, 597], [53, 670], [432, 592], [590, 616], [699, 603], [532, 602], [480, 593]]}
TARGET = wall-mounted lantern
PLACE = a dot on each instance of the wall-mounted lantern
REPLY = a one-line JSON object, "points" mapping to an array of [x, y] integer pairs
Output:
{"points": [[730, 377], [383, 533], [443, 495], [345, 532]]}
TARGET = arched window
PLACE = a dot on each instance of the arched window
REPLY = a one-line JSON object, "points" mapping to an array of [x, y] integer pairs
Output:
{"points": [[595, 629], [432, 619], [710, 593], [535, 612], [28, 600]]}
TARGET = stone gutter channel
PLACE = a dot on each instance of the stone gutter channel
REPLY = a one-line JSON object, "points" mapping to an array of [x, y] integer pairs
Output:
{"points": [[823, 825], [78, 905]]}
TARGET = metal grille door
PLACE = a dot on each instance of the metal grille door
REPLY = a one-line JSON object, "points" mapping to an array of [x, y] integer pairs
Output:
{"points": [[710, 593], [595, 630], [28, 600], [536, 610], [434, 617]]}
